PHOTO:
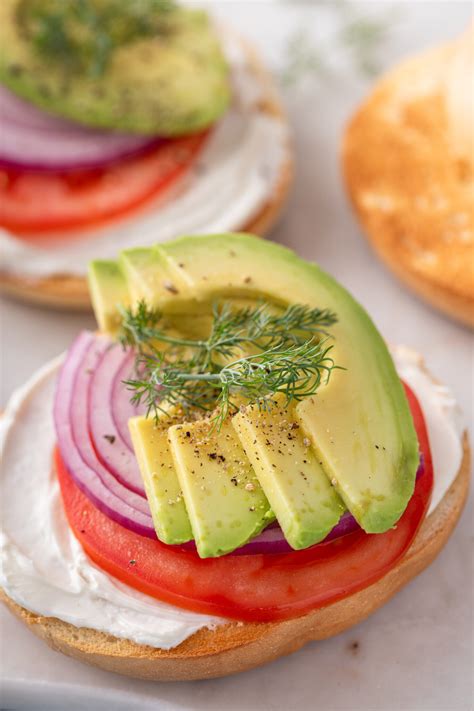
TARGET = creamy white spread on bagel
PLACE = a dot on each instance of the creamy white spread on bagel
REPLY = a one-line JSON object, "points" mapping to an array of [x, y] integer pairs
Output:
{"points": [[44, 568], [232, 180]]}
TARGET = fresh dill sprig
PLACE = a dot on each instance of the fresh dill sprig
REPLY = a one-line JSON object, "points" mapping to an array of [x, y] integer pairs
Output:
{"points": [[232, 329], [251, 355], [353, 32]]}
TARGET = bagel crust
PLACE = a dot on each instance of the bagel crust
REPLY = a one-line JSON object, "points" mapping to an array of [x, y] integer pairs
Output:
{"points": [[70, 292], [408, 165], [236, 647]]}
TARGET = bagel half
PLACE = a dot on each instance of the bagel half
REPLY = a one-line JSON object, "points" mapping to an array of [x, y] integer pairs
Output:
{"points": [[68, 291], [408, 164], [236, 647]]}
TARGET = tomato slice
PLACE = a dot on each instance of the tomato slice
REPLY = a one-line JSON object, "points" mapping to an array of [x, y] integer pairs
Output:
{"points": [[260, 587], [32, 204]]}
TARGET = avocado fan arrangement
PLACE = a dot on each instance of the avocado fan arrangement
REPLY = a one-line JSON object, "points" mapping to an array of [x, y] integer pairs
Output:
{"points": [[223, 406]]}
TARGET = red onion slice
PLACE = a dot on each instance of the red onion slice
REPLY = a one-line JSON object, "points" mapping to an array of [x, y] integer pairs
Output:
{"points": [[31, 139], [272, 540], [70, 416], [109, 445], [80, 426], [121, 405]]}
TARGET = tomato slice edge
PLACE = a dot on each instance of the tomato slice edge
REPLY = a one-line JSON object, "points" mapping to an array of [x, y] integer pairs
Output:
{"points": [[37, 204]]}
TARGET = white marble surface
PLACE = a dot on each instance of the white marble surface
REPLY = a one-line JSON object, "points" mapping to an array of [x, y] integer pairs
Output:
{"points": [[415, 653]]}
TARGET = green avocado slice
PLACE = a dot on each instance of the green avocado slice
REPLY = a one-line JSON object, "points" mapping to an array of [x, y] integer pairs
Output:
{"points": [[224, 500], [163, 490], [152, 278], [306, 506], [108, 289], [124, 66]]}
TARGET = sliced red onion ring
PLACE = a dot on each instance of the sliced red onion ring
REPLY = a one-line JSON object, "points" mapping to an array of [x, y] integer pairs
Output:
{"points": [[80, 426], [70, 416], [31, 139], [272, 540], [109, 445], [121, 405]]}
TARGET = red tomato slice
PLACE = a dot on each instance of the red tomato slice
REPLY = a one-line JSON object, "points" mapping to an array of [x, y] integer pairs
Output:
{"points": [[32, 204], [260, 587]]}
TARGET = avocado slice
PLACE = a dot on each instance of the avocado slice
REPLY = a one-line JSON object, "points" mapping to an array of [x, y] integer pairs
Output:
{"points": [[152, 278], [305, 504], [108, 290], [359, 424], [135, 69], [150, 442], [218, 267], [224, 499]]}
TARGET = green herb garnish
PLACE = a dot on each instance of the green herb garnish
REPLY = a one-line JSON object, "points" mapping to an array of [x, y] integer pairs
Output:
{"points": [[250, 356], [82, 34], [350, 31]]}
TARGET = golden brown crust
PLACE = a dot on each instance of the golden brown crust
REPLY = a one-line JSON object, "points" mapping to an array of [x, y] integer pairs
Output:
{"points": [[411, 186], [65, 291], [239, 646]]}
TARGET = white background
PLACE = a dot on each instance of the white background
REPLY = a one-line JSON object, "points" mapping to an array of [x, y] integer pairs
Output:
{"points": [[415, 653]]}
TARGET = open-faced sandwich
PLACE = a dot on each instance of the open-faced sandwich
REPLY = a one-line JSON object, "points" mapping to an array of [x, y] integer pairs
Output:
{"points": [[232, 465], [123, 124], [408, 159]]}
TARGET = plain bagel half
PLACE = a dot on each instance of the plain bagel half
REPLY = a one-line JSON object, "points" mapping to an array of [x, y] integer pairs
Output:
{"points": [[408, 163]]}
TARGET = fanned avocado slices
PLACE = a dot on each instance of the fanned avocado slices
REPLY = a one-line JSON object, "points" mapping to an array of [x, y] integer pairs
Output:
{"points": [[140, 66], [358, 424]]}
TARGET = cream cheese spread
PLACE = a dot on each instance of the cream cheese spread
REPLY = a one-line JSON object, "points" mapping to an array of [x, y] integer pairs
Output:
{"points": [[231, 181], [44, 568]]}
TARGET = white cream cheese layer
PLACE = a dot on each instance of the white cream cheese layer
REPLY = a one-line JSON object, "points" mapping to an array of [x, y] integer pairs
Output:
{"points": [[232, 180], [43, 567], [443, 419]]}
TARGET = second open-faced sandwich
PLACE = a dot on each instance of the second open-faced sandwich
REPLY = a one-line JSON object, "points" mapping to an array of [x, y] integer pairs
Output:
{"points": [[122, 124], [232, 465]]}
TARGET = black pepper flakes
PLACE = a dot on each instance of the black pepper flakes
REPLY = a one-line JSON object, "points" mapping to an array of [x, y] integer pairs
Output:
{"points": [[169, 286]]}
